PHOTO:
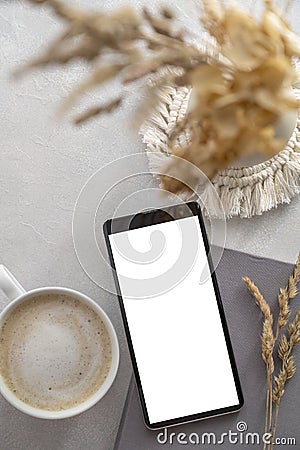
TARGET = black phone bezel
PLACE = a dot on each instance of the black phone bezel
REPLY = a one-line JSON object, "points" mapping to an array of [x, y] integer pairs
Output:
{"points": [[148, 218]]}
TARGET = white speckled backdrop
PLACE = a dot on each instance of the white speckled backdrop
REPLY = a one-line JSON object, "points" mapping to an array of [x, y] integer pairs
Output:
{"points": [[43, 165]]}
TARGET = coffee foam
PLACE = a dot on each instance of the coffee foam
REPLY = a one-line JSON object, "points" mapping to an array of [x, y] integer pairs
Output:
{"points": [[55, 352]]}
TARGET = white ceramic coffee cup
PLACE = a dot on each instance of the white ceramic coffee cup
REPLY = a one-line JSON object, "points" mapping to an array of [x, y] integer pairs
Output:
{"points": [[17, 294]]}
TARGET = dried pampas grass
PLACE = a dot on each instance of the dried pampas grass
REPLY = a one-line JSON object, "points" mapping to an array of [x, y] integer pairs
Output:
{"points": [[287, 343], [241, 73]]}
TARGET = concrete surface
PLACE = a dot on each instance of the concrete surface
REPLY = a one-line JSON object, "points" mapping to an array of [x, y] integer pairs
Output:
{"points": [[44, 162]]}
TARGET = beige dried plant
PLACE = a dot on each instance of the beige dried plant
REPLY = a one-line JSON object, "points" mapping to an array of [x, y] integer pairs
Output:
{"points": [[284, 297], [287, 343], [241, 74], [267, 345]]}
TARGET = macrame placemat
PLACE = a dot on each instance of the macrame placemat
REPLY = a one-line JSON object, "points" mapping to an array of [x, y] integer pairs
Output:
{"points": [[243, 192]]}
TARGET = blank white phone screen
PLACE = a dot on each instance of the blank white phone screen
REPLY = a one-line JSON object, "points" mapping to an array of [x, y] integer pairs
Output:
{"points": [[176, 333]]}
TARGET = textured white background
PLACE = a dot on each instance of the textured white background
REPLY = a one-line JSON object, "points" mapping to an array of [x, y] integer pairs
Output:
{"points": [[43, 165]]}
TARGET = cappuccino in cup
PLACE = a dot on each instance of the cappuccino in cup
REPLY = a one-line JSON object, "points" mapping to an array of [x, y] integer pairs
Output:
{"points": [[55, 352], [59, 352]]}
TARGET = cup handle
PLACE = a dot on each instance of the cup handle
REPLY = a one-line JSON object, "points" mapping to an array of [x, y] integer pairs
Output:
{"points": [[9, 285]]}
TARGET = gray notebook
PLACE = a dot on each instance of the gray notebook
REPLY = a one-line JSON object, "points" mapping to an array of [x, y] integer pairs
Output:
{"points": [[244, 321]]}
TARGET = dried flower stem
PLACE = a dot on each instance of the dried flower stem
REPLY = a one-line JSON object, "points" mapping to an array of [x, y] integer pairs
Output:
{"points": [[285, 295], [287, 343], [285, 349], [288, 369], [268, 341], [267, 414], [97, 110], [275, 425], [239, 71]]}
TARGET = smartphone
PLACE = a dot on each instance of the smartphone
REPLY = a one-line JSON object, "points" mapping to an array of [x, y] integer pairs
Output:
{"points": [[175, 324]]}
